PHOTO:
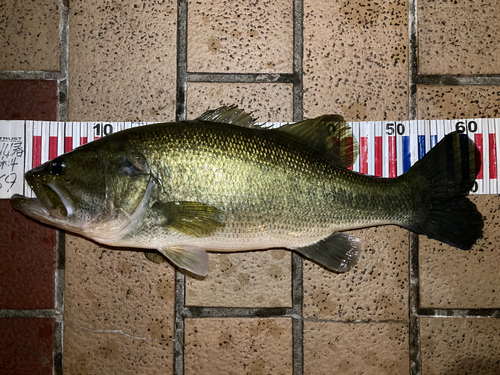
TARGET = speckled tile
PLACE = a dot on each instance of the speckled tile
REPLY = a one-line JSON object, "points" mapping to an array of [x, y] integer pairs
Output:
{"points": [[456, 102], [29, 35], [356, 59], [266, 101], [122, 61], [238, 346], [94, 352], [28, 261], [262, 279], [118, 291], [460, 346], [453, 278], [457, 37], [28, 100], [375, 289], [26, 346], [366, 348], [248, 36]]}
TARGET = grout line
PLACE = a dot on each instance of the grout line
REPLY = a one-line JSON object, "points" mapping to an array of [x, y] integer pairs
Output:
{"points": [[414, 281], [180, 299], [459, 313], [58, 347], [35, 313], [414, 303], [59, 302], [63, 60], [412, 58], [297, 260], [241, 77], [34, 75], [59, 276], [181, 97], [298, 54], [455, 80], [236, 312], [63, 108], [180, 115], [298, 319]]}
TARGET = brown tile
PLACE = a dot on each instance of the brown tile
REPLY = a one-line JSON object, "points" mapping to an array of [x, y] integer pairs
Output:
{"points": [[122, 61], [98, 352], [456, 102], [367, 348], [118, 290], [266, 101], [257, 279], [238, 346], [28, 100], [453, 278], [456, 37], [375, 289], [356, 59], [26, 346], [30, 35], [460, 346], [240, 37], [28, 261]]}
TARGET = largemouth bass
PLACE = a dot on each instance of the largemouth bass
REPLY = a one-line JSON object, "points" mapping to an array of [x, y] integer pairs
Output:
{"points": [[221, 183]]}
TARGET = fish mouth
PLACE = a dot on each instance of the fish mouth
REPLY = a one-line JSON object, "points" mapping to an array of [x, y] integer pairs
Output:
{"points": [[29, 206], [50, 202]]}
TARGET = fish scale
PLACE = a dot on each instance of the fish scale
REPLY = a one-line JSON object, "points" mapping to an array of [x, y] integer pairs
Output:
{"points": [[220, 183], [319, 198]]}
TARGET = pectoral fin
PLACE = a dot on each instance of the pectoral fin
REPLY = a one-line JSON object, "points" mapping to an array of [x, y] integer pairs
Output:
{"points": [[190, 218], [189, 258], [339, 252]]}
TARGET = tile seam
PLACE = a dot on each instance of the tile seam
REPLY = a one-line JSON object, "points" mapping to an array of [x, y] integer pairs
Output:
{"points": [[29, 313], [180, 115], [459, 313], [414, 302], [31, 75], [63, 115], [458, 80], [240, 77], [181, 91], [297, 261], [237, 312], [358, 321], [415, 357]]}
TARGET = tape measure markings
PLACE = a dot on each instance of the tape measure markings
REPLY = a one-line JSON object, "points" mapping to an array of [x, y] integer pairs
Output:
{"points": [[386, 149]]}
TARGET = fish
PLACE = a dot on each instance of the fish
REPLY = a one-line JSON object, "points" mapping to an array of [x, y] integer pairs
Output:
{"points": [[222, 183]]}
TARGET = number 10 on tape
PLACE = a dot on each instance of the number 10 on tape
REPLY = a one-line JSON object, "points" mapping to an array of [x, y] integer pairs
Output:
{"points": [[386, 148]]}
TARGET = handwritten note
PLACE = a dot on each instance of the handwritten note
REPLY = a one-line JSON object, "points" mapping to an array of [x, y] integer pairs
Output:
{"points": [[11, 158]]}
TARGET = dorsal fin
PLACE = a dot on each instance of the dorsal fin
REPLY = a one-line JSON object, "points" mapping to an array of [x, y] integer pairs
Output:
{"points": [[228, 115], [329, 134]]}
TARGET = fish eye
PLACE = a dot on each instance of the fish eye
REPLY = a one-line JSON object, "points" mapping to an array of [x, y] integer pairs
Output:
{"points": [[57, 165]]}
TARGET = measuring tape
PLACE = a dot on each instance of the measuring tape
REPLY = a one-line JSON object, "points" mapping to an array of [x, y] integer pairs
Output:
{"points": [[386, 149]]}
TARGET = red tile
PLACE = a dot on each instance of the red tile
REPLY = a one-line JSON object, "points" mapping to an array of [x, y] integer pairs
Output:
{"points": [[28, 261], [26, 346], [28, 100]]}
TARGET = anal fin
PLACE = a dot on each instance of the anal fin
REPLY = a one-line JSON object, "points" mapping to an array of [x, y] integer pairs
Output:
{"points": [[189, 258], [338, 252]]}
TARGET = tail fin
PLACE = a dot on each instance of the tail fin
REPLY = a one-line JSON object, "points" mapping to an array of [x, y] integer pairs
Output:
{"points": [[445, 175]]}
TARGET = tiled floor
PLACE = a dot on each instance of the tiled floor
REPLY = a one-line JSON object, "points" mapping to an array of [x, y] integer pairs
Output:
{"points": [[411, 306]]}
